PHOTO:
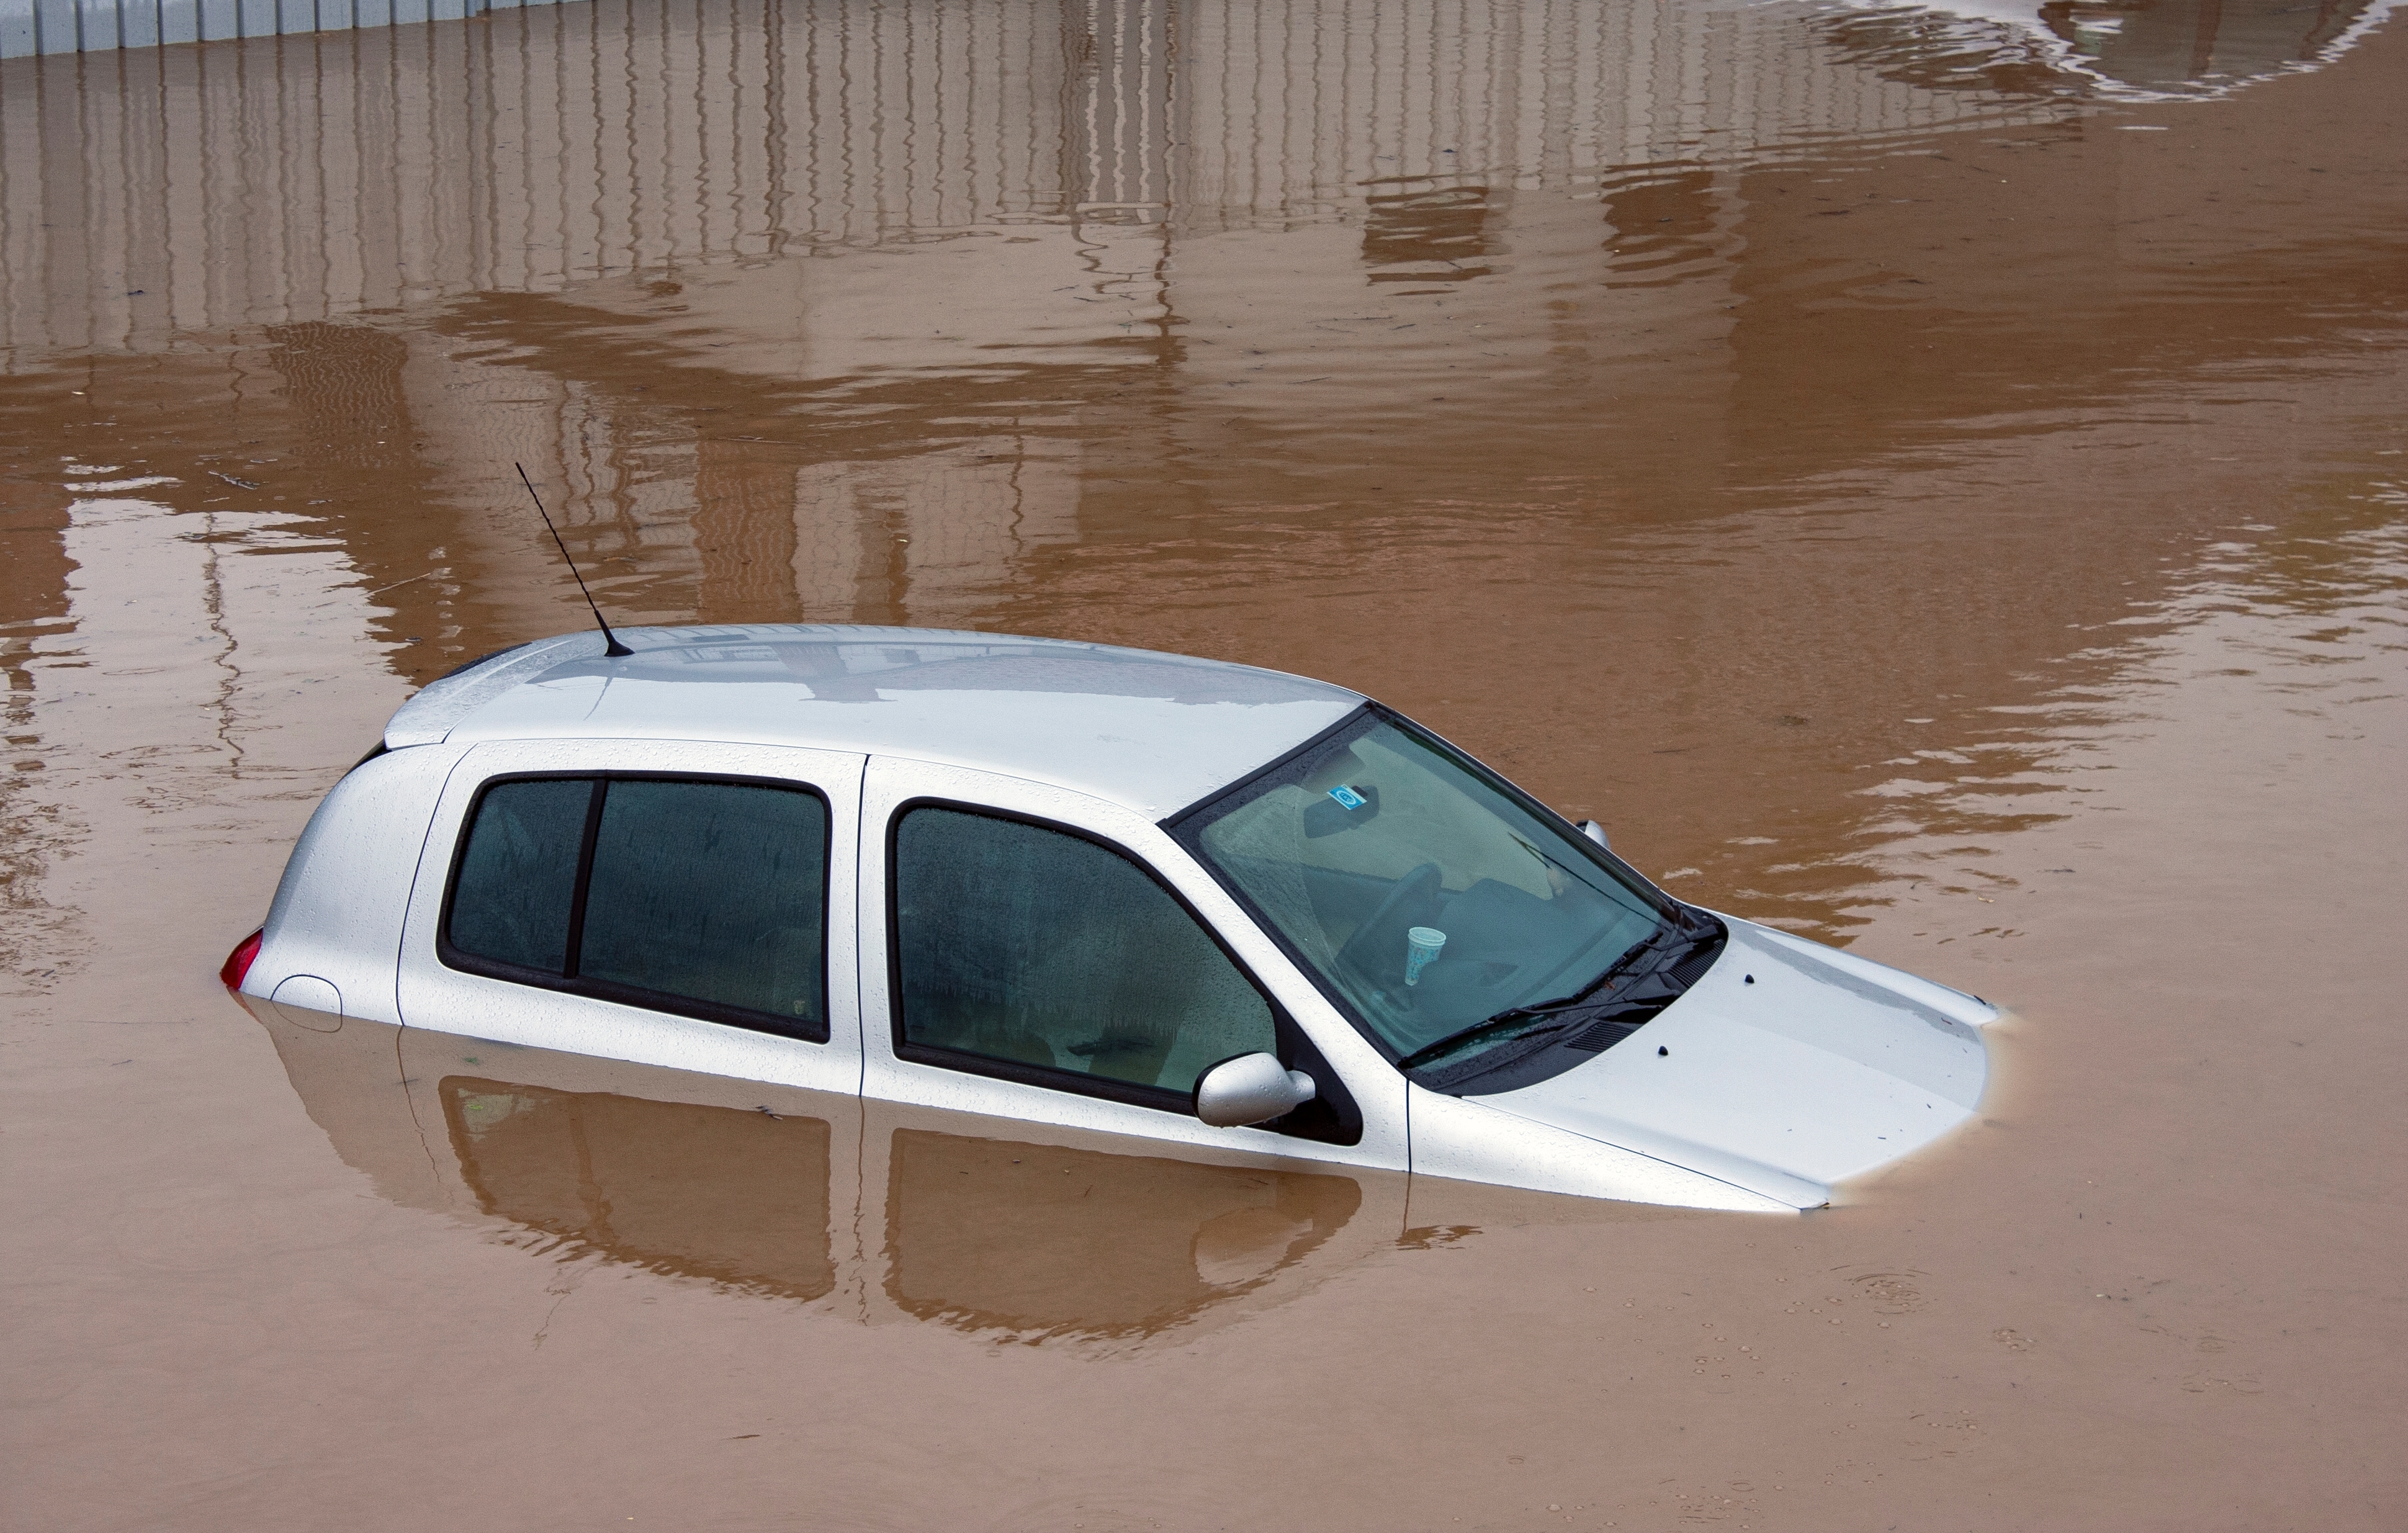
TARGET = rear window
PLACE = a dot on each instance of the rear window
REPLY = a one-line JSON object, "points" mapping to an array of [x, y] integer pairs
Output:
{"points": [[703, 897]]}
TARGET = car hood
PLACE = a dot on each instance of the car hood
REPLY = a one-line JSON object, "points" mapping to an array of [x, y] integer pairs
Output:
{"points": [[1788, 1067]]}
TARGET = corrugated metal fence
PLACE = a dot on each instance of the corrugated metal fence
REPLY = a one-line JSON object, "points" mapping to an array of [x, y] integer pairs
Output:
{"points": [[84, 26]]}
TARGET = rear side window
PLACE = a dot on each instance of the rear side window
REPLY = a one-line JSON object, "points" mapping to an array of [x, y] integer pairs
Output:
{"points": [[705, 899], [518, 878]]}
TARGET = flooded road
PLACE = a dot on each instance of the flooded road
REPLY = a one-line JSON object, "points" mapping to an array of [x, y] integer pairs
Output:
{"points": [[1933, 481]]}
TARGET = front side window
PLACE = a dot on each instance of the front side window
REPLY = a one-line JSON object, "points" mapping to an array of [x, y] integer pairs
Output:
{"points": [[706, 898], [1033, 954], [1420, 888]]}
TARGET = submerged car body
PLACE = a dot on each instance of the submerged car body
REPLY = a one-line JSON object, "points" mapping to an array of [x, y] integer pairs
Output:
{"points": [[1222, 910]]}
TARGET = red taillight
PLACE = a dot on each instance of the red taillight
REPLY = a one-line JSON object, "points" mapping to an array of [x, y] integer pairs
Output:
{"points": [[237, 964]]}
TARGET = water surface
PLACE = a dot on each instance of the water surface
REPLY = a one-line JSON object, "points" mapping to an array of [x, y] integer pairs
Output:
{"points": [[1928, 479]]}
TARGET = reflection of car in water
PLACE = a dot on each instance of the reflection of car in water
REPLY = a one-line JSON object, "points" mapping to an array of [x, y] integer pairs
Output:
{"points": [[706, 1192], [912, 1214], [1003, 1234], [1217, 908]]}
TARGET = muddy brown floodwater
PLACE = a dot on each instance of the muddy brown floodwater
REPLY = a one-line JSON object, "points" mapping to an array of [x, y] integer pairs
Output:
{"points": [[1935, 481]]}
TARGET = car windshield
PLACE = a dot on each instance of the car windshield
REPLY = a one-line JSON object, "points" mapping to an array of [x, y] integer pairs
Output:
{"points": [[1422, 888]]}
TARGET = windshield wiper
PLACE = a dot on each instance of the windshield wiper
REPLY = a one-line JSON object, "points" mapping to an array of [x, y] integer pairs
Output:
{"points": [[1513, 1017], [1552, 1012]]}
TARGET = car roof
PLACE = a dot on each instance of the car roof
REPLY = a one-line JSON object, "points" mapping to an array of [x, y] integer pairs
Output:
{"points": [[1148, 731]]}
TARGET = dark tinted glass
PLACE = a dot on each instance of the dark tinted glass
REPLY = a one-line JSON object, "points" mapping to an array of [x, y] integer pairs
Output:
{"points": [[1026, 944], [711, 891], [520, 872]]}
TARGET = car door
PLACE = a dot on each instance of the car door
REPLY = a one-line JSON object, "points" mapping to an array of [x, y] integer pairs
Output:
{"points": [[674, 903], [1033, 954]]}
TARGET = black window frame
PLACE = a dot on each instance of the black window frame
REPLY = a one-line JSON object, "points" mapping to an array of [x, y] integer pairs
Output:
{"points": [[1330, 1118], [611, 990]]}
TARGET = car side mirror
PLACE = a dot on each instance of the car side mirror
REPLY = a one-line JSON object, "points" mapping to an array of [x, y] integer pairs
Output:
{"points": [[1250, 1089], [1595, 832]]}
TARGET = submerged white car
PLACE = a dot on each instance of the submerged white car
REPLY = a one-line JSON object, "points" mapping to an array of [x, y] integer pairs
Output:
{"points": [[1224, 910]]}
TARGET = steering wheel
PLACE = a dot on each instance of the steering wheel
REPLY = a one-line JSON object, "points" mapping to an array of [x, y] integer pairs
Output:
{"points": [[1386, 927]]}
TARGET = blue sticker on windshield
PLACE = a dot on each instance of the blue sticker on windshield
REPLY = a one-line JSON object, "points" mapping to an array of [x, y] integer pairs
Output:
{"points": [[1347, 797]]}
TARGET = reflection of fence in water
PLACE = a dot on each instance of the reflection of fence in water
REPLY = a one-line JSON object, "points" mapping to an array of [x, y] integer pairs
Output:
{"points": [[162, 196], [92, 26], [926, 533], [1304, 108], [288, 178]]}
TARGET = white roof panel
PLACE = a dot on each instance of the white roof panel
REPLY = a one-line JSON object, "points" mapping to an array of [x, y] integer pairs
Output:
{"points": [[1150, 732]]}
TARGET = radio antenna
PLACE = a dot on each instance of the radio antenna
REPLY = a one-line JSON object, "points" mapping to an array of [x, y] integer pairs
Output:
{"points": [[611, 648]]}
